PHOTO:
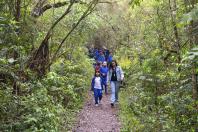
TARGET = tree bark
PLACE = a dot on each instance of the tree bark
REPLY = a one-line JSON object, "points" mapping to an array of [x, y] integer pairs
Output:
{"points": [[41, 57], [40, 9], [176, 34], [17, 10], [17, 15], [40, 61]]}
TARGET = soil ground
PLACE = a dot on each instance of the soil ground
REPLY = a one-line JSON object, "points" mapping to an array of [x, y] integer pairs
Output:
{"points": [[100, 118]]}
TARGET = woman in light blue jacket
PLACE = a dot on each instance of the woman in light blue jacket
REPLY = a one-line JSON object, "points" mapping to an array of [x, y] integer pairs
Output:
{"points": [[115, 76]]}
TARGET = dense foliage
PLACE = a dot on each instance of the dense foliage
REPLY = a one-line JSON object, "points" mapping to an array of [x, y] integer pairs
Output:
{"points": [[161, 92], [41, 98], [45, 71]]}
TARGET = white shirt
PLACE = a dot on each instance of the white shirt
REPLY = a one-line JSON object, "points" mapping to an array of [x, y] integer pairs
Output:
{"points": [[98, 83]]}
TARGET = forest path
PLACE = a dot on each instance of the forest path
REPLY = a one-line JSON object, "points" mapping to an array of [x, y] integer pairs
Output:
{"points": [[100, 118]]}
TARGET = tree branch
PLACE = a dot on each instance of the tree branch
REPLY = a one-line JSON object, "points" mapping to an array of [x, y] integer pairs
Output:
{"points": [[49, 6], [47, 37], [38, 11], [85, 14]]}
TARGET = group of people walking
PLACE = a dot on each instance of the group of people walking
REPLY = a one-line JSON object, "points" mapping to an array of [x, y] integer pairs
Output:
{"points": [[107, 72], [100, 55]]}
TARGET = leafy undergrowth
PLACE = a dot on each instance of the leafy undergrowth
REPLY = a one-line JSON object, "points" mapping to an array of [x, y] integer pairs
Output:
{"points": [[48, 104], [144, 107]]}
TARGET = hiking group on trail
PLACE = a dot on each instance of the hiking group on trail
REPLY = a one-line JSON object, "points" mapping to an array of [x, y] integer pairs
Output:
{"points": [[107, 72]]}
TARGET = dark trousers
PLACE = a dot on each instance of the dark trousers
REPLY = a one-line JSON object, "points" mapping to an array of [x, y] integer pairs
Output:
{"points": [[104, 83], [105, 87]]}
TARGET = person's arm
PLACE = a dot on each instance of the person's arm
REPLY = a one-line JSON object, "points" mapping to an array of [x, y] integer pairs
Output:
{"points": [[108, 77], [122, 74], [101, 83], [101, 70], [92, 84]]}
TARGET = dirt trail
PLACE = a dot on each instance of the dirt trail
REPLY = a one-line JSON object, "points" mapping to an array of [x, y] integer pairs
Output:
{"points": [[98, 119]]}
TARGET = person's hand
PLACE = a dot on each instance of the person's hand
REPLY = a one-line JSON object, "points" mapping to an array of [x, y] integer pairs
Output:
{"points": [[122, 79]]}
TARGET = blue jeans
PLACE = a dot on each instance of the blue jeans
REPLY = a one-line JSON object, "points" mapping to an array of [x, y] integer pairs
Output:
{"points": [[115, 86], [97, 95]]}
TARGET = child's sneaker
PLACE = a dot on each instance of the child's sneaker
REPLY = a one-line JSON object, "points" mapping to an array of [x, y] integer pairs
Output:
{"points": [[96, 105], [112, 104]]}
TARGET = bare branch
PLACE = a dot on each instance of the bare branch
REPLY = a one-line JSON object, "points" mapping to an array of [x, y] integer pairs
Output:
{"points": [[40, 58], [105, 2], [39, 10], [49, 6], [85, 14]]}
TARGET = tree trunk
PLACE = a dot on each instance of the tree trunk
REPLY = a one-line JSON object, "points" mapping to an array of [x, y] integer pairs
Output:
{"points": [[177, 46], [17, 15], [193, 41], [17, 10], [194, 82], [40, 58]]}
